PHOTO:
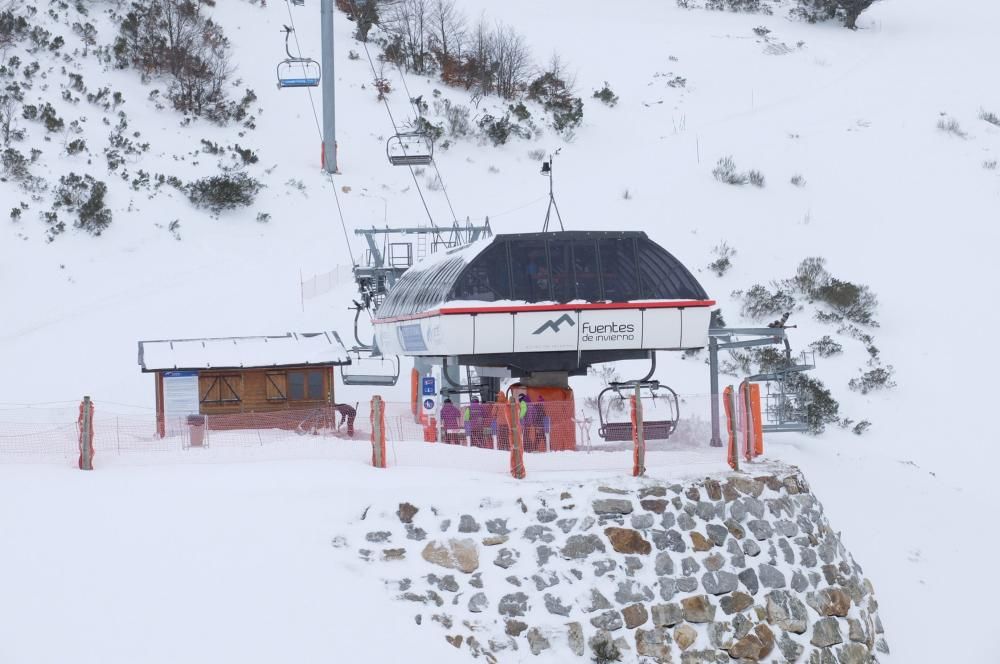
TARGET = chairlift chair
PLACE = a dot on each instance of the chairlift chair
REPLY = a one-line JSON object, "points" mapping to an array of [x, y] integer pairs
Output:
{"points": [[654, 396], [297, 72], [410, 149], [370, 370]]}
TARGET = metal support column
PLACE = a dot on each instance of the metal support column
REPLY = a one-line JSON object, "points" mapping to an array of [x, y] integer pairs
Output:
{"points": [[713, 361], [329, 112]]}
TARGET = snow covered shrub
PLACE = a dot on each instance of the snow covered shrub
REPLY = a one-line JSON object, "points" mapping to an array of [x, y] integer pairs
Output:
{"points": [[743, 6], [10, 107], [816, 11], [433, 131], [849, 301], [555, 94], [76, 146], [879, 378], [951, 126], [13, 28], [990, 164], [500, 130], [812, 402], [987, 116], [826, 346], [759, 302], [725, 171], [756, 178], [605, 651], [14, 164], [263, 217], [723, 262], [15, 214], [861, 427], [456, 118], [810, 275], [798, 181], [226, 191], [606, 95], [84, 196]]}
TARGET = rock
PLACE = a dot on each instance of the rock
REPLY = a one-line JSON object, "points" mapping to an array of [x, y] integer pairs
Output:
{"points": [[853, 653], [566, 525], [707, 511], [754, 647], [495, 540], [547, 580], [497, 526], [513, 604], [379, 537], [447, 583], [734, 528], [514, 627], [771, 577], [655, 491], [555, 606], [597, 602], [689, 566], [642, 521], [807, 557], [735, 602], [535, 533], [751, 548], [700, 542], [581, 546], [577, 573], [434, 597], [455, 640], [478, 603], [608, 620], [748, 578], [602, 567], [666, 615], [632, 565], [393, 554], [664, 564], [692, 493], [635, 615], [790, 649], [543, 553], [445, 525], [786, 528], [467, 524], [587, 523], [713, 489], [687, 584], [826, 632], [741, 625], [685, 635], [786, 551], [668, 588], [574, 637], [720, 635], [613, 490], [631, 591], [714, 562], [708, 656], [787, 612], [506, 557], [476, 580], [668, 520], [514, 581], [406, 512], [882, 645], [654, 505], [698, 609], [855, 631], [626, 540], [719, 583], [546, 515], [460, 554], [830, 602], [414, 533], [754, 507], [717, 533], [612, 506], [761, 529], [653, 643], [675, 542], [747, 486], [799, 582], [685, 522]]}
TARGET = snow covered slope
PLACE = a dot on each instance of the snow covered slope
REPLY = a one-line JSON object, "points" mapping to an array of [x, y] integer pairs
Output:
{"points": [[890, 201]]}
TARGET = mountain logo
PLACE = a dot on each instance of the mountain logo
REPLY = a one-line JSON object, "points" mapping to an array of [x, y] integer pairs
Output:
{"points": [[554, 325]]}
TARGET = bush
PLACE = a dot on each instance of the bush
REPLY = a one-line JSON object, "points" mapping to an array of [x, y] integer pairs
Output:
{"points": [[879, 378], [759, 302], [223, 192], [606, 95], [847, 11], [810, 275], [555, 95], [500, 130], [85, 196], [849, 301], [456, 118], [798, 181], [15, 165], [811, 402], [725, 171], [861, 427], [826, 347], [605, 651], [76, 146], [756, 178], [951, 126], [987, 116], [723, 262]]}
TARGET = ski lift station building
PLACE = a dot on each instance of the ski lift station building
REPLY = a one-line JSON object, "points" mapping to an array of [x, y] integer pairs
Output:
{"points": [[546, 303]]}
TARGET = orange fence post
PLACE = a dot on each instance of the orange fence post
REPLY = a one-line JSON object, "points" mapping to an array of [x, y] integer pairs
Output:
{"points": [[758, 424], [732, 454], [516, 444], [378, 432]]}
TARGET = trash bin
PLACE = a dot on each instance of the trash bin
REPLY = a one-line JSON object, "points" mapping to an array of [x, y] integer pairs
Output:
{"points": [[196, 425]]}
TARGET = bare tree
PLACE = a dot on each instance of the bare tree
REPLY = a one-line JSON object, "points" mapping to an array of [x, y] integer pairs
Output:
{"points": [[409, 23], [10, 107], [447, 31], [511, 61]]}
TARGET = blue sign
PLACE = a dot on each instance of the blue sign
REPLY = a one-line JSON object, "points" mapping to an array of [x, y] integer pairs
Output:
{"points": [[427, 386], [428, 404]]}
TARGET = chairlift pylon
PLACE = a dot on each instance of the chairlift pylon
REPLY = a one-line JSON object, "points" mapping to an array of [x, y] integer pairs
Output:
{"points": [[413, 148], [297, 72]]}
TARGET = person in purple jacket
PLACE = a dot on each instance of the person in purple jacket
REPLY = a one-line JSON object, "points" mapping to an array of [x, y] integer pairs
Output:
{"points": [[478, 421], [451, 424]]}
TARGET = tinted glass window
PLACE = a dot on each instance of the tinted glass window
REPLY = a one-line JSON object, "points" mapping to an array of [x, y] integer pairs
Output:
{"points": [[316, 385], [621, 283], [561, 262], [488, 277], [588, 283], [297, 385], [530, 269]]}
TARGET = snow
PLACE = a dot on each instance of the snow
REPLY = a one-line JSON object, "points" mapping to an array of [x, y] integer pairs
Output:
{"points": [[293, 348], [231, 559]]}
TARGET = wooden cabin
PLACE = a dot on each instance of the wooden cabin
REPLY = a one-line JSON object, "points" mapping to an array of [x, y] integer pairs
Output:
{"points": [[241, 375]]}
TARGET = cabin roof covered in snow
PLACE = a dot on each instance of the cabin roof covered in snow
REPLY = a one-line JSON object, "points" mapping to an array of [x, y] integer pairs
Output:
{"points": [[534, 268], [292, 349]]}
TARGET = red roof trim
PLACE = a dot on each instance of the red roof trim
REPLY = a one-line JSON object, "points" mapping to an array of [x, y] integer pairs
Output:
{"points": [[519, 308]]}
